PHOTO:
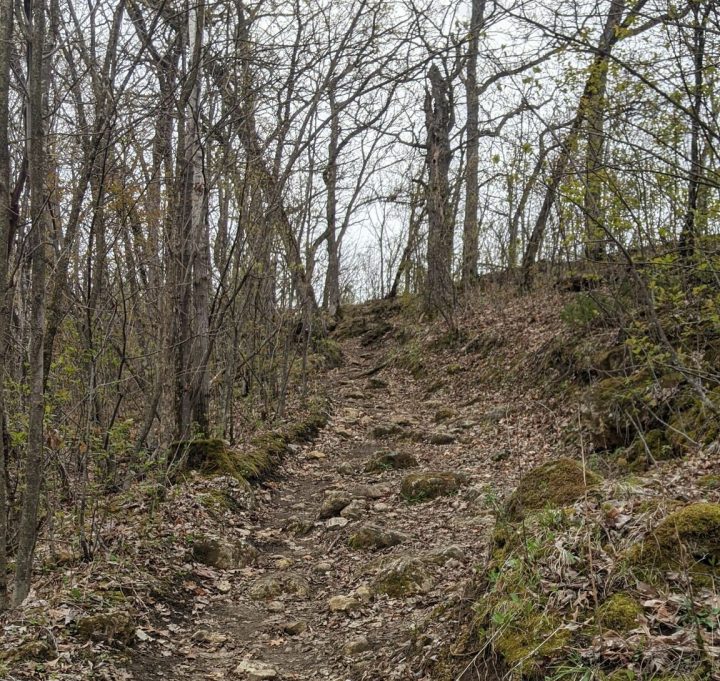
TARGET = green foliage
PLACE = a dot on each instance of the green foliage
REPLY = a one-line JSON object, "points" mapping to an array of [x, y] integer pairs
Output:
{"points": [[581, 311]]}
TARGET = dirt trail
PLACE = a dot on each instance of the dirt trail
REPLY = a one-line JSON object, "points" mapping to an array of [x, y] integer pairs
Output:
{"points": [[297, 635]]}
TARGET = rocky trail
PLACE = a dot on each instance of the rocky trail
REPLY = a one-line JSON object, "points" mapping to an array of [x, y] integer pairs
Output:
{"points": [[369, 534]]}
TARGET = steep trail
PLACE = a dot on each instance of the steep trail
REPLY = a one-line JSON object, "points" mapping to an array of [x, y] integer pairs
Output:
{"points": [[312, 606]]}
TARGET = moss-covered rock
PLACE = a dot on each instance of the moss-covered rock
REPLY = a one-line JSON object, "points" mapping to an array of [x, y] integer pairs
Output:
{"points": [[372, 538], [552, 485], [688, 539], [118, 626], [431, 484], [278, 584], [529, 643], [646, 449], [404, 576], [224, 555], [615, 408], [36, 651], [619, 613], [693, 423], [390, 460], [334, 502]]}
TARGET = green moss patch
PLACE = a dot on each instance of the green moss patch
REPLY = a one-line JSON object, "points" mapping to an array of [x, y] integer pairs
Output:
{"points": [[552, 485], [688, 539], [619, 613]]}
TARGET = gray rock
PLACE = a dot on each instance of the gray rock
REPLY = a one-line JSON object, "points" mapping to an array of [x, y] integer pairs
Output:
{"points": [[372, 537], [357, 645], [431, 484], [279, 584], [354, 510], [390, 460], [334, 502], [404, 576], [224, 555]]}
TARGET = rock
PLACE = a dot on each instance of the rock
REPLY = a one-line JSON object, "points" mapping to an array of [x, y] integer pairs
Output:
{"points": [[445, 414], [223, 586], [376, 384], [255, 670], [500, 455], [495, 415], [431, 484], [381, 506], [278, 584], [37, 651], [224, 555], [208, 637], [372, 537], [441, 438], [390, 460], [554, 484], [354, 510], [283, 563], [343, 604], [357, 645], [276, 606], [300, 526], [363, 593], [346, 468], [686, 540], [373, 491], [383, 430], [295, 628], [404, 576], [316, 454], [445, 554], [109, 626], [334, 502], [323, 567], [336, 523]]}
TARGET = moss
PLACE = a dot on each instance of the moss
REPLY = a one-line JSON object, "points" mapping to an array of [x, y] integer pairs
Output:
{"points": [[618, 406], [651, 446], [528, 643], [686, 539], [552, 485], [330, 352], [411, 357], [694, 424], [709, 481], [620, 613]]}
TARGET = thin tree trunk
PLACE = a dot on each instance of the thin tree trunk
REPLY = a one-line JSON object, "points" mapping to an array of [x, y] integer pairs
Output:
{"points": [[332, 277], [27, 533], [471, 231], [689, 230], [6, 31]]}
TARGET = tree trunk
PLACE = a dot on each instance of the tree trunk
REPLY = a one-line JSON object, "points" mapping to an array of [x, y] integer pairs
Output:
{"points": [[689, 230], [6, 31], [332, 277], [200, 391], [595, 112], [439, 119], [27, 532], [471, 231]]}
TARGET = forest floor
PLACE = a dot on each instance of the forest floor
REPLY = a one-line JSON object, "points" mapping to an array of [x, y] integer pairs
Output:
{"points": [[323, 614], [346, 563]]}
